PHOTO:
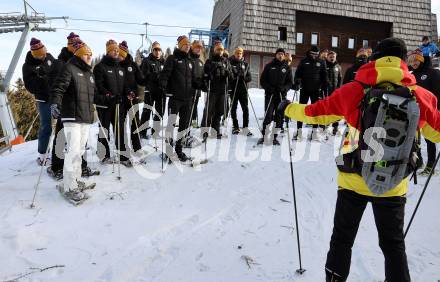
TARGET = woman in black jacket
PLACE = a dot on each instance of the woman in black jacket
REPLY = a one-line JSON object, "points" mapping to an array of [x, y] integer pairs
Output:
{"points": [[72, 99], [428, 78], [133, 78], [39, 71]]}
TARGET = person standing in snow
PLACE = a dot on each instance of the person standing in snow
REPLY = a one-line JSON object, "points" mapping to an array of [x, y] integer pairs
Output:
{"points": [[276, 80], [387, 65], [429, 49], [428, 78], [242, 76], [217, 75], [112, 93], [334, 74], [72, 99], [154, 96], [195, 53], [311, 77], [361, 59], [39, 72], [176, 79], [57, 162], [133, 79]]}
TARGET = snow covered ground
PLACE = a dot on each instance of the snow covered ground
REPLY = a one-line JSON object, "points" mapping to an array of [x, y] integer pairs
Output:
{"points": [[196, 225]]}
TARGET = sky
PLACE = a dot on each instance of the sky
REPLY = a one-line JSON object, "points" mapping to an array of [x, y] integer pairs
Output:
{"points": [[193, 13]]}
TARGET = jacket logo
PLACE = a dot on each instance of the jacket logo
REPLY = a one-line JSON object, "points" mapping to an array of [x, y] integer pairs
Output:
{"points": [[80, 74], [130, 69], [424, 77], [190, 66], [284, 70], [179, 62], [336, 69], [121, 73], [243, 67], [92, 80], [318, 64], [109, 71], [200, 64], [49, 63], [161, 67]]}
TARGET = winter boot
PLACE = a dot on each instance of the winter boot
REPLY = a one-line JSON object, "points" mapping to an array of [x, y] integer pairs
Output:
{"points": [[260, 141], [235, 131], [127, 163], [87, 172], [297, 135], [247, 132], [57, 175], [275, 141], [107, 161]]}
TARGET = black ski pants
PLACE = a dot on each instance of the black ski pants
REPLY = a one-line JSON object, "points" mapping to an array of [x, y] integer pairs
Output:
{"points": [[304, 97], [271, 102], [107, 117], [214, 110], [242, 98], [183, 110], [389, 217], [158, 101], [432, 153]]}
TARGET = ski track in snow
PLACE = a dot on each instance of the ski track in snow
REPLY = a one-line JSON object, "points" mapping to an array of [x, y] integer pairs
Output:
{"points": [[199, 225]]}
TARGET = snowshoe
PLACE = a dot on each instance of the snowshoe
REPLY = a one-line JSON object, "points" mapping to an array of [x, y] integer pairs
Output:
{"points": [[75, 197], [427, 171], [88, 172], [297, 136], [191, 142], [107, 161], [57, 175], [127, 163], [82, 186], [235, 131], [275, 142], [183, 157], [41, 162]]}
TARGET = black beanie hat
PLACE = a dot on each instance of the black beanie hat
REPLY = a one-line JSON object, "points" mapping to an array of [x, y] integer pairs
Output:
{"points": [[390, 47], [314, 49], [280, 50]]}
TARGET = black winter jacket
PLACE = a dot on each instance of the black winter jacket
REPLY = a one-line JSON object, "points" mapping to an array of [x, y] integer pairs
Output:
{"points": [[334, 74], [198, 71], [276, 78], [110, 81], [38, 76], [242, 75], [133, 75], [350, 74], [311, 74], [65, 55], [218, 74], [151, 69], [177, 76], [73, 91], [429, 78]]}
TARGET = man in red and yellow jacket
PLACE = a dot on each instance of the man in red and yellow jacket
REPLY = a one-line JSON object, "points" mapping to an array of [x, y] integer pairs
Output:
{"points": [[387, 65]]}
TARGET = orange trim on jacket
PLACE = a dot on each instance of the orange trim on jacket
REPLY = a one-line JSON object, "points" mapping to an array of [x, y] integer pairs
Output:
{"points": [[344, 102]]}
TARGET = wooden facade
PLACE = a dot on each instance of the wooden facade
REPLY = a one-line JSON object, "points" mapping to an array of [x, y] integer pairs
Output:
{"points": [[259, 25]]}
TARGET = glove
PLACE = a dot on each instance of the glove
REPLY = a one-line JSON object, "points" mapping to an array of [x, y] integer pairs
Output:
{"points": [[131, 96], [282, 106], [109, 98], [55, 112]]}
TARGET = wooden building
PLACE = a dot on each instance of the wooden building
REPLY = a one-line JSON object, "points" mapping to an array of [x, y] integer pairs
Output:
{"points": [[261, 26]]}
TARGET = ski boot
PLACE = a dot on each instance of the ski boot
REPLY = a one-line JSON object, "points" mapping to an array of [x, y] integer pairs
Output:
{"points": [[57, 175], [275, 142], [88, 172], [297, 136], [127, 163]]}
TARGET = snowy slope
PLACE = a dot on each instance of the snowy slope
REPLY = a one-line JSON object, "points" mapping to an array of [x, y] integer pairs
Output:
{"points": [[196, 224]]}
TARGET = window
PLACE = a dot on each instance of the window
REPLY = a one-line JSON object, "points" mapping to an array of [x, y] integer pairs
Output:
{"points": [[335, 41], [282, 33], [351, 43], [365, 43], [315, 38], [299, 38]]}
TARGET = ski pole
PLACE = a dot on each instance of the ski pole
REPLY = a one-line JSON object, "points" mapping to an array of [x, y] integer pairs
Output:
{"points": [[135, 122], [188, 134], [103, 129], [300, 270], [164, 100], [49, 147], [206, 116], [228, 117], [118, 133], [30, 127], [423, 193], [252, 106], [265, 114]]}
